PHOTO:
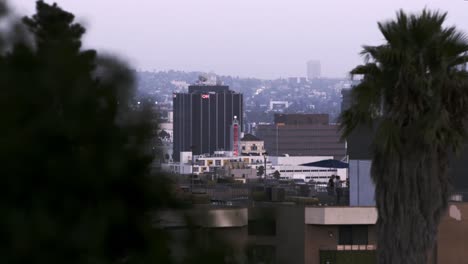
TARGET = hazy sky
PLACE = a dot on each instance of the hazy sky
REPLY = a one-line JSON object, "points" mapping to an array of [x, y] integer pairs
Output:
{"points": [[248, 38]]}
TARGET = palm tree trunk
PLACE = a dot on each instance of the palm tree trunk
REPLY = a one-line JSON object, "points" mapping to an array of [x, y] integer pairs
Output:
{"points": [[411, 195]]}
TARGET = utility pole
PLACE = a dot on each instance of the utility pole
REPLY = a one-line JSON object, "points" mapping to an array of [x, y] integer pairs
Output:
{"points": [[264, 167], [192, 148]]}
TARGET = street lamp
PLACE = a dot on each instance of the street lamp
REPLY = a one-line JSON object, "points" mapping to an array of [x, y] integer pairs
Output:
{"points": [[264, 167]]}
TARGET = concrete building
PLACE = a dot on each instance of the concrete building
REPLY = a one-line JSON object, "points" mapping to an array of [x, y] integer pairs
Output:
{"points": [[287, 233], [281, 233], [361, 189], [302, 135], [203, 118], [314, 70]]}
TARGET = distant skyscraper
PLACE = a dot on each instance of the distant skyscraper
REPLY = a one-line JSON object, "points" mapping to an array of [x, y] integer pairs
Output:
{"points": [[313, 69], [203, 118]]}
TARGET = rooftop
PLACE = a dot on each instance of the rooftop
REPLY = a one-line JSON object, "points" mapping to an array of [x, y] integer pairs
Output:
{"points": [[207, 88], [250, 137]]}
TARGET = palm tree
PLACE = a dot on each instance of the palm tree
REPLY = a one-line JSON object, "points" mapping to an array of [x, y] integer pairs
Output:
{"points": [[414, 92]]}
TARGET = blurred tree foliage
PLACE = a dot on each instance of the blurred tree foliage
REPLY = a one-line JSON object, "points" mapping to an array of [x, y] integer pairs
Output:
{"points": [[77, 184]]}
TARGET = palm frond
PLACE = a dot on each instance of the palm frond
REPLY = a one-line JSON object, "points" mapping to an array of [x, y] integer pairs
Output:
{"points": [[366, 98], [366, 69]]}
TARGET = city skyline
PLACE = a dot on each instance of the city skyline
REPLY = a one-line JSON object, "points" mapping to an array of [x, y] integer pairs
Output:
{"points": [[262, 39]]}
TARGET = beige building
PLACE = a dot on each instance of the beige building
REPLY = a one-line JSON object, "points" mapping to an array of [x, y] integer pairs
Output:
{"points": [[251, 145]]}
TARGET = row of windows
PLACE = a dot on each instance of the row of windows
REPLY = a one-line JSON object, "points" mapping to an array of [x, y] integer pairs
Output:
{"points": [[218, 162], [308, 177], [308, 170], [353, 235], [253, 147]]}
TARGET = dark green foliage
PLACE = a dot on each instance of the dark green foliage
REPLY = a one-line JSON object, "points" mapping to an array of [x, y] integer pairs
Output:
{"points": [[164, 135], [416, 86], [75, 155], [277, 175], [203, 246], [260, 171]]}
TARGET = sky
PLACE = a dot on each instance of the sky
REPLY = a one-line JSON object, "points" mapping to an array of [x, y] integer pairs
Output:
{"points": [[247, 38]]}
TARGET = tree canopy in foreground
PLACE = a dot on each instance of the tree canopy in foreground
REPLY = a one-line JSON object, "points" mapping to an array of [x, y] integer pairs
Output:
{"points": [[415, 92], [77, 185]]}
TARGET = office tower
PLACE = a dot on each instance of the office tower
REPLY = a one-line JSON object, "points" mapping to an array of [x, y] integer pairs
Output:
{"points": [[302, 135], [203, 118], [313, 69]]}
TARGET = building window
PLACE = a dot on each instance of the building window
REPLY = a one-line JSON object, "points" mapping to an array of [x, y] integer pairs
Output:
{"points": [[262, 227], [353, 235], [261, 254], [243, 147], [218, 162], [195, 169], [254, 147]]}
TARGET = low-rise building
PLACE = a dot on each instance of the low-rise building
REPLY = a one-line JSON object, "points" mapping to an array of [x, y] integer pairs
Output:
{"points": [[290, 167], [219, 164], [252, 146], [226, 164], [289, 233]]}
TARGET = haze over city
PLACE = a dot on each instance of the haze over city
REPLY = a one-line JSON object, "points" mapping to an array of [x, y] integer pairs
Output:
{"points": [[262, 39]]}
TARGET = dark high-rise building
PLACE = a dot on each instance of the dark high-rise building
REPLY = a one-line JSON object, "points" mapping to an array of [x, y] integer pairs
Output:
{"points": [[203, 118]]}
